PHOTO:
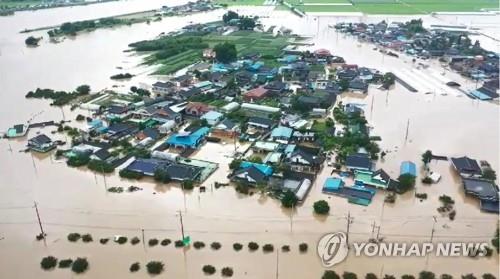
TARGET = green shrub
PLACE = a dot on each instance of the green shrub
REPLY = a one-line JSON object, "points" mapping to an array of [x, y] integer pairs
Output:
{"points": [[74, 237], [215, 245], [303, 247], [426, 275], [179, 243], [130, 174], [268, 248], [155, 267], [227, 272], [408, 276], [253, 246], [422, 196], [443, 276], [349, 275], [80, 265], [135, 240], [209, 269], [87, 238], [103, 241], [330, 274], [237, 246], [427, 180], [65, 263], [153, 242], [165, 242], [187, 185], [321, 207], [199, 244], [48, 262], [135, 267], [121, 240], [285, 248], [488, 276], [387, 276], [100, 166], [370, 276]]}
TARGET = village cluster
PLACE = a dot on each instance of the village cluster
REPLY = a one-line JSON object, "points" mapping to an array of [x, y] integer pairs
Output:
{"points": [[450, 44], [277, 120]]}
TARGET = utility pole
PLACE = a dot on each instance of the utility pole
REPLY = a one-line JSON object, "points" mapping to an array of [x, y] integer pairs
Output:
{"points": [[407, 130], [433, 226], [182, 225], [143, 240], [291, 220], [349, 220], [378, 232], [371, 108], [42, 232], [277, 262]]}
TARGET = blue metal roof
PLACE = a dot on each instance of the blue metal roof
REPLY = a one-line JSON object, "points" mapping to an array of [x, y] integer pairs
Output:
{"points": [[191, 140], [408, 167], [265, 169], [282, 131], [333, 184]]}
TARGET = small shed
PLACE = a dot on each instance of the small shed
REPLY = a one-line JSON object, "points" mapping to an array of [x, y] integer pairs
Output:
{"points": [[408, 167]]}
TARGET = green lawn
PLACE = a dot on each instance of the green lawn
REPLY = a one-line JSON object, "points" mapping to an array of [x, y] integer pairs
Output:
{"points": [[240, 2], [19, 4], [398, 7]]}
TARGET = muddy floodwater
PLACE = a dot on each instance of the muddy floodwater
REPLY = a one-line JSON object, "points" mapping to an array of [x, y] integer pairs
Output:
{"points": [[76, 200]]}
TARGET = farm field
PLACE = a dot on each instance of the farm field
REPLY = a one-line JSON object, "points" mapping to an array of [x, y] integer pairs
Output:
{"points": [[394, 7]]}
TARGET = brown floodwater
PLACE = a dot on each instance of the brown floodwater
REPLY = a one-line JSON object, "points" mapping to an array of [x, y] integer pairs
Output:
{"points": [[76, 200]]}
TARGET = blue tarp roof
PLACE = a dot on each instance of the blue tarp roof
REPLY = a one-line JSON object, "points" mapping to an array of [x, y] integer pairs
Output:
{"points": [[333, 184], [408, 167], [265, 169], [191, 140], [282, 131], [480, 95]]}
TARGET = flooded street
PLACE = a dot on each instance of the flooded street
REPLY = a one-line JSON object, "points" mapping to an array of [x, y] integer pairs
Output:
{"points": [[74, 200]]}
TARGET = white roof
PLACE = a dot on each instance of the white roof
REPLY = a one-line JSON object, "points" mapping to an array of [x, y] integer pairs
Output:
{"points": [[260, 107]]}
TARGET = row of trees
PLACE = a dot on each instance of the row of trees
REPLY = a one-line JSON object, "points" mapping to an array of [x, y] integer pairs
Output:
{"points": [[330, 274]]}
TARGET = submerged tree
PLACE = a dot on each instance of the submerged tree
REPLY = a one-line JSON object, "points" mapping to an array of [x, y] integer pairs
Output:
{"points": [[225, 52]]}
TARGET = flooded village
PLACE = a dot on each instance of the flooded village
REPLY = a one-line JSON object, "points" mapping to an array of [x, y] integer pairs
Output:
{"points": [[215, 141]]}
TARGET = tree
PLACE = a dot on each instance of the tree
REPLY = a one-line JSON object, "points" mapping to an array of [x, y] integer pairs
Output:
{"points": [[247, 23], [426, 275], [495, 241], [388, 80], [135, 267], [32, 41], [406, 182], [469, 276], [344, 84], [289, 199], [443, 276], [235, 164], [155, 267], [330, 274], [255, 159], [80, 265], [349, 275], [488, 276], [227, 272], [489, 174], [372, 276], [303, 247], [83, 89], [209, 269], [188, 184], [427, 157], [225, 52], [162, 176], [48, 263], [229, 16], [321, 207]]}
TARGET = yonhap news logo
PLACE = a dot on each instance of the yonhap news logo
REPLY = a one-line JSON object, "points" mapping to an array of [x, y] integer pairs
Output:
{"points": [[333, 248]]}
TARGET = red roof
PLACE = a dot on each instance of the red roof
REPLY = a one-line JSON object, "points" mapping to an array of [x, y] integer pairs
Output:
{"points": [[256, 93], [322, 52]]}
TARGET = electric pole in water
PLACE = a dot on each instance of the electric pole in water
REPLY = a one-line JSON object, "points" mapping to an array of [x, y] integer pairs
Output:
{"points": [[143, 240], [349, 220], [182, 225], [42, 233], [433, 230], [277, 262]]}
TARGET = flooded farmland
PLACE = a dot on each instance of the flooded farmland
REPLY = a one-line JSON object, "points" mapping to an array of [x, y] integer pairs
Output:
{"points": [[75, 200]]}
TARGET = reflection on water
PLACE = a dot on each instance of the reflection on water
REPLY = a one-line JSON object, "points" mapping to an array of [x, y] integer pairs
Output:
{"points": [[73, 200]]}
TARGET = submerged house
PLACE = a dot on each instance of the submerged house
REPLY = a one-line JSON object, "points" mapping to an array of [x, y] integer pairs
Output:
{"points": [[358, 161], [18, 130], [176, 171], [281, 134], [188, 139], [253, 173], [41, 143], [466, 166], [354, 194], [377, 179]]}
